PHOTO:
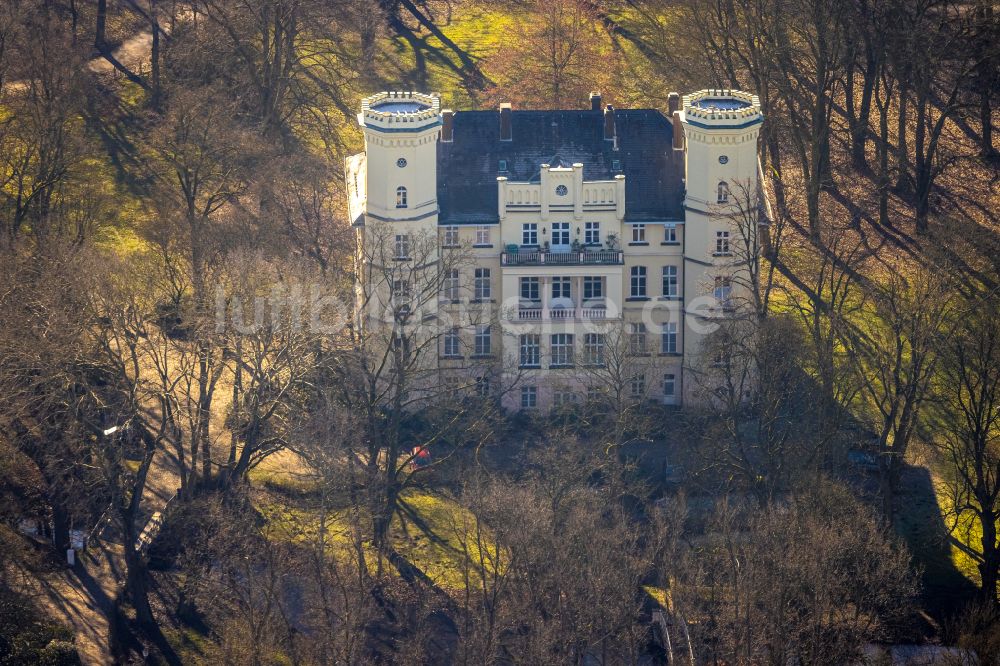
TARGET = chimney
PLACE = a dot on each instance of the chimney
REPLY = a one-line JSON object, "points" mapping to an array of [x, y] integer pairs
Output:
{"points": [[673, 103], [505, 120], [678, 131], [595, 101], [609, 123], [448, 125]]}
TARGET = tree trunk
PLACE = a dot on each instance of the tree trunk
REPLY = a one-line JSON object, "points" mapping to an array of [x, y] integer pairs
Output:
{"points": [[860, 124], [923, 163], [60, 528], [989, 568], [99, 30], [154, 27], [986, 119], [883, 167], [136, 583], [902, 154], [887, 485]]}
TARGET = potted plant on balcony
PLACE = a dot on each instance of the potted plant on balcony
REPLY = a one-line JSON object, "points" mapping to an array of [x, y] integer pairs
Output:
{"points": [[545, 246], [611, 240], [512, 248], [577, 245]]}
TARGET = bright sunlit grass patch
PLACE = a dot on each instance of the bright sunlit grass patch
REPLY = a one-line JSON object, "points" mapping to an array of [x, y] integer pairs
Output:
{"points": [[438, 536], [966, 531], [432, 532]]}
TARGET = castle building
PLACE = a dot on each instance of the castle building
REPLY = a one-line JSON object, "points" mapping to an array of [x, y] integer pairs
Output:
{"points": [[576, 229]]}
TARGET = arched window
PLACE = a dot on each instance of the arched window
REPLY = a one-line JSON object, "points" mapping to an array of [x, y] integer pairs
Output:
{"points": [[400, 197], [723, 192]]}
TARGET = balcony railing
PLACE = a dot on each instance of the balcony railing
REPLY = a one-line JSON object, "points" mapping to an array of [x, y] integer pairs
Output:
{"points": [[537, 313], [538, 258]]}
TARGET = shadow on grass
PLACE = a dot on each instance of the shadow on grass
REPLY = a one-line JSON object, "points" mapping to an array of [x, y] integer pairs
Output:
{"points": [[921, 525], [406, 511]]}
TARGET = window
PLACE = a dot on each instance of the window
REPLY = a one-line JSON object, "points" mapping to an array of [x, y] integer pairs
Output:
{"points": [[638, 281], [723, 196], [616, 165], [484, 340], [452, 342], [482, 235], [402, 246], [529, 289], [668, 338], [502, 166], [670, 281], [451, 285], [593, 288], [561, 190], [637, 385], [560, 287], [561, 398], [592, 233], [400, 197], [451, 236], [594, 394], [529, 233], [723, 291], [483, 289], [637, 338], [531, 352], [483, 387], [560, 233], [562, 349], [669, 386], [529, 397], [593, 349], [400, 292], [669, 234], [722, 242], [638, 233]]}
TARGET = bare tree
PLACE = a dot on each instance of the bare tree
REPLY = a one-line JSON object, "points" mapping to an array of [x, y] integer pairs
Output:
{"points": [[896, 350], [810, 579], [391, 370], [754, 393], [555, 564], [970, 433], [273, 346], [549, 62], [41, 142], [199, 165], [620, 369]]}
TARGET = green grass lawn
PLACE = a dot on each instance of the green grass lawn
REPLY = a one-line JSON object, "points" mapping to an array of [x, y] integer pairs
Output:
{"points": [[428, 531]]}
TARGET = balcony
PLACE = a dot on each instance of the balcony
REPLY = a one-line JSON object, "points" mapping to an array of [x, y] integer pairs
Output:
{"points": [[581, 258], [535, 312]]}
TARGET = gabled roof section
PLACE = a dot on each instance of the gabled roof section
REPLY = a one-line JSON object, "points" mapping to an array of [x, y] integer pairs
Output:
{"points": [[468, 165]]}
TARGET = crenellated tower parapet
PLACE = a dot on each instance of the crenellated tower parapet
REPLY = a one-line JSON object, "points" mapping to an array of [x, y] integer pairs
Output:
{"points": [[722, 109], [400, 111]]}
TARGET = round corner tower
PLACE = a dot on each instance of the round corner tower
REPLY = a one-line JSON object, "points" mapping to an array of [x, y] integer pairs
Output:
{"points": [[401, 131], [721, 129]]}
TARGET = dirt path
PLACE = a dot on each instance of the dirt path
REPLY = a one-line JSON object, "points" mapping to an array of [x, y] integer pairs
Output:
{"points": [[134, 53], [83, 598]]}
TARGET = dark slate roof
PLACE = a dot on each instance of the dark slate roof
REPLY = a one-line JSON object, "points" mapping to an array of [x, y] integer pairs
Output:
{"points": [[468, 165]]}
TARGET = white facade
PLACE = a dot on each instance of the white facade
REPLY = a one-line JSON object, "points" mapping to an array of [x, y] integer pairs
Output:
{"points": [[563, 264]]}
